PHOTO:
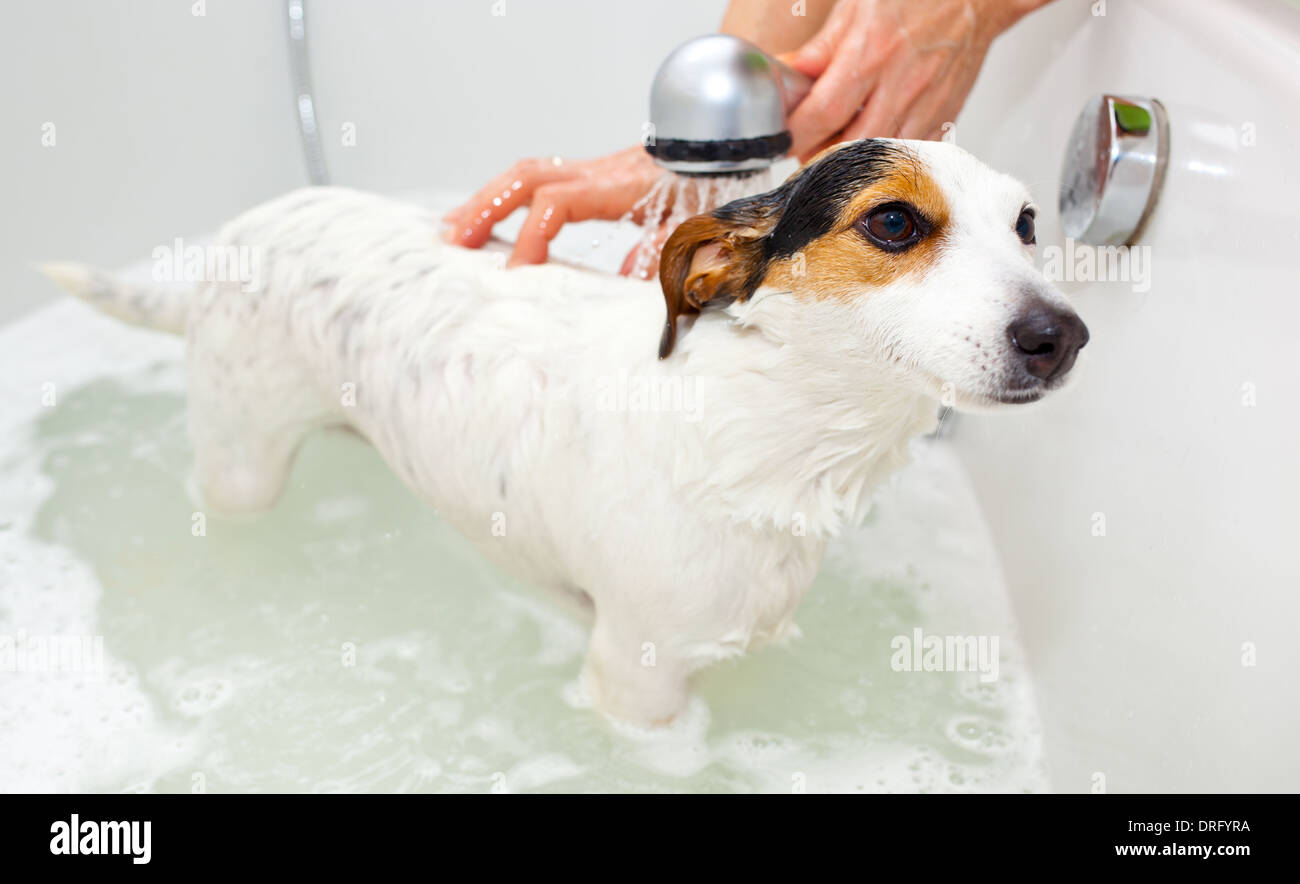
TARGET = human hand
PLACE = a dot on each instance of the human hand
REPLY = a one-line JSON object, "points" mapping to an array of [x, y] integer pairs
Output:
{"points": [[893, 68], [557, 192]]}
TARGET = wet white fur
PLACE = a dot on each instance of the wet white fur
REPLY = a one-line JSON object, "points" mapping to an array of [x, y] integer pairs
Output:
{"points": [[495, 395]]}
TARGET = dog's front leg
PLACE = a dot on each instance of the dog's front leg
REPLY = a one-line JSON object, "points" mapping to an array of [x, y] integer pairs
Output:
{"points": [[633, 677]]}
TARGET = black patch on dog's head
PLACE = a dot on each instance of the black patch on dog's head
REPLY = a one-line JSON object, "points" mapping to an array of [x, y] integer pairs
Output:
{"points": [[819, 194], [760, 229], [808, 205]]}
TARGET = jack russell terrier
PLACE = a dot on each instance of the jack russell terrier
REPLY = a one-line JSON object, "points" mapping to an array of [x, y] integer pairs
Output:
{"points": [[814, 329]]}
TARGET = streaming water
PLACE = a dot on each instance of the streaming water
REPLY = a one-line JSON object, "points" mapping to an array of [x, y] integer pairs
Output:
{"points": [[350, 640], [673, 198]]}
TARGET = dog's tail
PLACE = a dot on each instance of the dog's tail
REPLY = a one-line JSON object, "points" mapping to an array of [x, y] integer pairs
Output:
{"points": [[151, 305]]}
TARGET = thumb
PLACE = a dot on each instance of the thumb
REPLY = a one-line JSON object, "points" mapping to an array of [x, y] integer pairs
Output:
{"points": [[814, 57]]}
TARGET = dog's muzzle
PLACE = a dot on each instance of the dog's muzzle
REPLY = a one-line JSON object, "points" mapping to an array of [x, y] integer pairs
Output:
{"points": [[1046, 341]]}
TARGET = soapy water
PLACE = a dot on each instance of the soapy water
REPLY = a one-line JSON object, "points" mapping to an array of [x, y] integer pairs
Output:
{"points": [[348, 640]]}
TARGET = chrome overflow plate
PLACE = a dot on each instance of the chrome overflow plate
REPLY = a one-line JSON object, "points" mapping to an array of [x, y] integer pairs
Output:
{"points": [[1114, 167]]}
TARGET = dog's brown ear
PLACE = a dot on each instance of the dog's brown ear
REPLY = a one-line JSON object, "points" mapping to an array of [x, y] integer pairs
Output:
{"points": [[707, 260]]}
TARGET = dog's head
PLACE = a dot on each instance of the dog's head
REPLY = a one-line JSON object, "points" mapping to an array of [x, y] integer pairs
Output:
{"points": [[917, 245]]}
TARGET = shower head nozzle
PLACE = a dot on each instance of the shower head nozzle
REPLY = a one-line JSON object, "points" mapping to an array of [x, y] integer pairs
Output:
{"points": [[718, 106]]}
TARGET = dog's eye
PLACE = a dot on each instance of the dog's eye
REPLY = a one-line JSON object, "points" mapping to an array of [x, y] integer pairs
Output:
{"points": [[892, 227], [1025, 228]]}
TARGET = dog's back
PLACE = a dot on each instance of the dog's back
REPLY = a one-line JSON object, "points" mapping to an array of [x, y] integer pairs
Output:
{"points": [[464, 375], [467, 377], [506, 398]]}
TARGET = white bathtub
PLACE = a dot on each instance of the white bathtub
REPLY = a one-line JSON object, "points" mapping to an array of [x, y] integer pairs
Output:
{"points": [[222, 655], [1182, 430]]}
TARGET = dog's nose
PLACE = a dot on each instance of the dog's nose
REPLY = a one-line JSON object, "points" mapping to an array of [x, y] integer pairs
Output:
{"points": [[1048, 341]]}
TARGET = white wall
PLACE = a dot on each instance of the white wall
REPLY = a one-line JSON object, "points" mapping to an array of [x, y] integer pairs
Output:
{"points": [[449, 94], [167, 123]]}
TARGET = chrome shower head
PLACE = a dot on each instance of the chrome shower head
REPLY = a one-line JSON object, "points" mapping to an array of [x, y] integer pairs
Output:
{"points": [[718, 106]]}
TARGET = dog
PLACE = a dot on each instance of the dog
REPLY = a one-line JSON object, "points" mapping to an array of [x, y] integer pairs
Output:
{"points": [[681, 496]]}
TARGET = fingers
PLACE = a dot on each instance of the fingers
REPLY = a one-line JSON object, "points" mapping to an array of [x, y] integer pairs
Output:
{"points": [[831, 104], [861, 125], [471, 224], [835, 98], [940, 106], [555, 205], [879, 118], [814, 57], [558, 192], [902, 92], [926, 120]]}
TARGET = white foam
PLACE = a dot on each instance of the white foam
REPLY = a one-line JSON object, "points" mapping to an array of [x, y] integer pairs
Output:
{"points": [[67, 731]]}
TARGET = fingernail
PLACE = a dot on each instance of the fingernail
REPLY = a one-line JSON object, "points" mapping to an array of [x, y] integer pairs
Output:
{"points": [[449, 233]]}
